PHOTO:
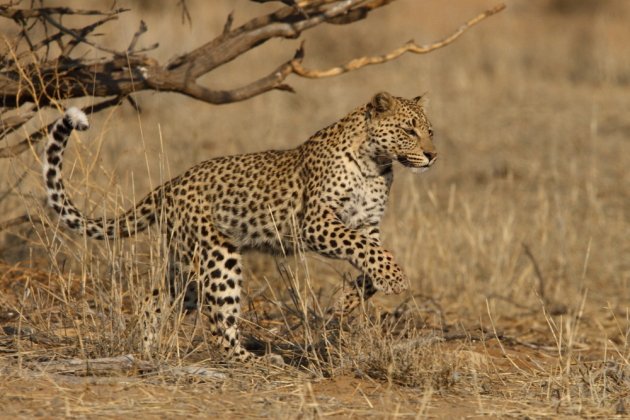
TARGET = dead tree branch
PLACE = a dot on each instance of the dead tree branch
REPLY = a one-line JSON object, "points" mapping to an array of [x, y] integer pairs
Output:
{"points": [[29, 76], [128, 71]]}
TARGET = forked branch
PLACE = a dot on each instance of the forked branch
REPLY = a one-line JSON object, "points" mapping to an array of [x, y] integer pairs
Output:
{"points": [[29, 75]]}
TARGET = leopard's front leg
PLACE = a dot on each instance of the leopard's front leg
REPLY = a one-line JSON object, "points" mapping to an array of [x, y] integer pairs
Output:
{"points": [[359, 291], [326, 234], [362, 288]]}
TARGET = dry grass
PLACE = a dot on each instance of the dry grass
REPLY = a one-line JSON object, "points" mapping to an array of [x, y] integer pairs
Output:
{"points": [[516, 242]]}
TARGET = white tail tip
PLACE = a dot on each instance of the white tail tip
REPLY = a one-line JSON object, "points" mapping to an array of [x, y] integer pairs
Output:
{"points": [[77, 118]]}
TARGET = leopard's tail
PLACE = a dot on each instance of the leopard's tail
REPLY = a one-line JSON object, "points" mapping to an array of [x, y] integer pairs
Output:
{"points": [[131, 222]]}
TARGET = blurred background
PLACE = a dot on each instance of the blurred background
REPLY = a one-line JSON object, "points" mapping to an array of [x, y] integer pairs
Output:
{"points": [[532, 122]]}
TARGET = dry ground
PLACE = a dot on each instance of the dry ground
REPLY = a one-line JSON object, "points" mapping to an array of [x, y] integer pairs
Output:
{"points": [[516, 242]]}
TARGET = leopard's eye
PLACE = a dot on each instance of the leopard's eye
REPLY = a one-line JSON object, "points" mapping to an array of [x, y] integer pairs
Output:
{"points": [[410, 131], [430, 132]]}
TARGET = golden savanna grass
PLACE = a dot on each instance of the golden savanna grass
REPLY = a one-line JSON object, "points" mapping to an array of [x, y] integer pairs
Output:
{"points": [[516, 242]]}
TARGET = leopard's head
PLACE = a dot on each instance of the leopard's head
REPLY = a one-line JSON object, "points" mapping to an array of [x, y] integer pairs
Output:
{"points": [[398, 130]]}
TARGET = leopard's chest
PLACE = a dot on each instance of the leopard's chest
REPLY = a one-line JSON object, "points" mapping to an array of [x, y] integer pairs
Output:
{"points": [[364, 200]]}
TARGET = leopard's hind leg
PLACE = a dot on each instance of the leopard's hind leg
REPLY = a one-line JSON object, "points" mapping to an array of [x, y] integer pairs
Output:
{"points": [[222, 283], [182, 284]]}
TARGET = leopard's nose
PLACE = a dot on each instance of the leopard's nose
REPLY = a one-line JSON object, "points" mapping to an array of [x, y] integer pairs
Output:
{"points": [[430, 155]]}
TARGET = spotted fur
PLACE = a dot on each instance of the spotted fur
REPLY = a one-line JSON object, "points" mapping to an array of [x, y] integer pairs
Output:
{"points": [[333, 189]]}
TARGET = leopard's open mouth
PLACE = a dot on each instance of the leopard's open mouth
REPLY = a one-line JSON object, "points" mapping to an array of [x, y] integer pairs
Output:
{"points": [[404, 160]]}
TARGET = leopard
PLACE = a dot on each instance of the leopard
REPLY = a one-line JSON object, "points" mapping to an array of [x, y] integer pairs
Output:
{"points": [[327, 196]]}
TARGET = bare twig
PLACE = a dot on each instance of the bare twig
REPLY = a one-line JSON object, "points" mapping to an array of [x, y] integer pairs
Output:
{"points": [[78, 37], [12, 123], [539, 275], [97, 367], [410, 47], [141, 30], [185, 12], [18, 221], [14, 186], [22, 14], [134, 104], [125, 364], [554, 308], [82, 33], [227, 26]]}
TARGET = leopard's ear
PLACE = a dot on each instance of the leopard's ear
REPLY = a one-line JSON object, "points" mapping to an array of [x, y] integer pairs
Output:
{"points": [[382, 102], [422, 100]]}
